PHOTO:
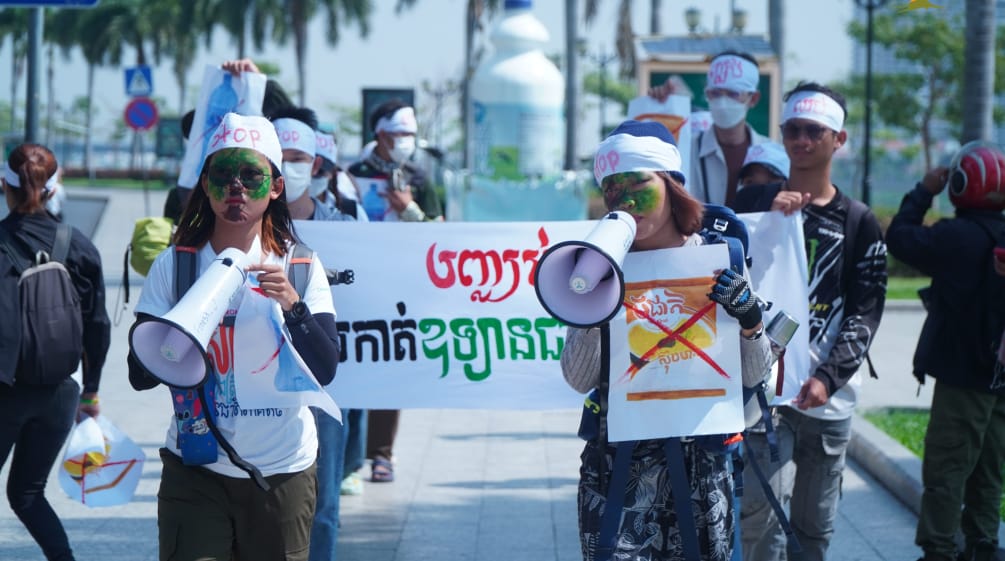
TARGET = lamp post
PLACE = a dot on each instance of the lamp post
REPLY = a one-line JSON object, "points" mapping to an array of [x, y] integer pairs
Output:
{"points": [[870, 6], [601, 60]]}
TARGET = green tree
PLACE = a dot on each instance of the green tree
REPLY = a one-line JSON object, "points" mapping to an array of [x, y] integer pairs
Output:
{"points": [[624, 37], [338, 13], [914, 99], [241, 19]]}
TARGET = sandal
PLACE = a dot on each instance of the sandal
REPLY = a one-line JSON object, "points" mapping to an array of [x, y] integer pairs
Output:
{"points": [[382, 471]]}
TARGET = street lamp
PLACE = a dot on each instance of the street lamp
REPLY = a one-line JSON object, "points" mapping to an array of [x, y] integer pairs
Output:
{"points": [[601, 60], [870, 6]]}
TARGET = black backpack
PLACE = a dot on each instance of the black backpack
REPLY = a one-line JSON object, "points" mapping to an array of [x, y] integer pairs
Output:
{"points": [[52, 328]]}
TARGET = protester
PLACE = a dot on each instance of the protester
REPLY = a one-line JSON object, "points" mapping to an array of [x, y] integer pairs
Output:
{"points": [[395, 189], [297, 130], [717, 154], [221, 510], [847, 280], [647, 182], [958, 347], [765, 164], [36, 415], [325, 183]]}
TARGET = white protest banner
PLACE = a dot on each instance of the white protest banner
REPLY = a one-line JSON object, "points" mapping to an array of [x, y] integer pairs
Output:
{"points": [[674, 114], [675, 355], [778, 274], [444, 314], [221, 93]]}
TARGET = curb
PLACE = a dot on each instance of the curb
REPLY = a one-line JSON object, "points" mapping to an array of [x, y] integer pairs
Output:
{"points": [[895, 467]]}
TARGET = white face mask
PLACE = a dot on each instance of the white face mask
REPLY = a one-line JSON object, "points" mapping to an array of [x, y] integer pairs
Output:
{"points": [[726, 112], [298, 179], [319, 185], [404, 147]]}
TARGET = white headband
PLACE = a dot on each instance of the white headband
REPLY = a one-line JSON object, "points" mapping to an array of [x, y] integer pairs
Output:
{"points": [[731, 72], [247, 131], [619, 153], [12, 179], [402, 120], [814, 106], [326, 147], [296, 135]]}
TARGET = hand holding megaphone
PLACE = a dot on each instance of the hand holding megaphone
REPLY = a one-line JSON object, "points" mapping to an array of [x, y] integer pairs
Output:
{"points": [[580, 283]]}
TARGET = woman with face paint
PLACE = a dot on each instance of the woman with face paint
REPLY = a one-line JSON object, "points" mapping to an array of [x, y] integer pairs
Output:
{"points": [[645, 181], [218, 507]]}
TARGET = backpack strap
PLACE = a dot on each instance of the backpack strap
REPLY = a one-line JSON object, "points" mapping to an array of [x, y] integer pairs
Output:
{"points": [[61, 245], [184, 269], [776, 506], [299, 267], [17, 258], [704, 169]]}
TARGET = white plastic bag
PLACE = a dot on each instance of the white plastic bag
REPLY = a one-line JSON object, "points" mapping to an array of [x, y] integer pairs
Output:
{"points": [[101, 466]]}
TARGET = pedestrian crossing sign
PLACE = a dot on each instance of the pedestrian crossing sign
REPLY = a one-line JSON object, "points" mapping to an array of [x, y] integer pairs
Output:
{"points": [[139, 81]]}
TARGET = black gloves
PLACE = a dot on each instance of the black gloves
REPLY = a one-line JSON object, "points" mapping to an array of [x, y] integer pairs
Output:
{"points": [[733, 292]]}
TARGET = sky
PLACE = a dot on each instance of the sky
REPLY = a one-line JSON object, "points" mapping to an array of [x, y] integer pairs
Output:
{"points": [[427, 43]]}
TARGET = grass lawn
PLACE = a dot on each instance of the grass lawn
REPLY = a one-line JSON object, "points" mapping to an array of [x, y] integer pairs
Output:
{"points": [[908, 426], [905, 288], [116, 183]]}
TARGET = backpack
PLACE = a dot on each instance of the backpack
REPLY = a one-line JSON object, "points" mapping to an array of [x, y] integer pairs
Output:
{"points": [[195, 414], [52, 327], [856, 211]]}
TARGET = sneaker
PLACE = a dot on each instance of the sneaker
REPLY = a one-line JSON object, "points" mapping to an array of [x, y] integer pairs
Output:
{"points": [[352, 485]]}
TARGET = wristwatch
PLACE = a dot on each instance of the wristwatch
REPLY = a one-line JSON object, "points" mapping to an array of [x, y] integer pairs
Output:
{"points": [[756, 335], [297, 313]]}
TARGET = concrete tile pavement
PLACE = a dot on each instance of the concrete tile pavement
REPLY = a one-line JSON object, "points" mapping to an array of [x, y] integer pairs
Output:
{"points": [[479, 485]]}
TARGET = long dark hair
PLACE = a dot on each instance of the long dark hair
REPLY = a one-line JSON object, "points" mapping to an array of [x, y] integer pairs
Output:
{"points": [[34, 164], [198, 220]]}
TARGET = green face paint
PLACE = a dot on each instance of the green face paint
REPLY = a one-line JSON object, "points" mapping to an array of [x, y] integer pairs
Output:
{"points": [[240, 163], [634, 192]]}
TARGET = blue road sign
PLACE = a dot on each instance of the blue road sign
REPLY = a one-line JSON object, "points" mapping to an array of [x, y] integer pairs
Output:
{"points": [[141, 114], [139, 81], [50, 3]]}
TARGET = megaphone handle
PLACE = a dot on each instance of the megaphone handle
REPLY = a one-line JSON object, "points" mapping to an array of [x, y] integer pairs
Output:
{"points": [[232, 454]]}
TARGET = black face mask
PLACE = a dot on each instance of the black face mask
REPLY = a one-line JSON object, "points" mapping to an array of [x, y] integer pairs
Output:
{"points": [[780, 185]]}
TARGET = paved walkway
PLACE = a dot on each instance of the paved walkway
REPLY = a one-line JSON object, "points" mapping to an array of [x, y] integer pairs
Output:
{"points": [[471, 485]]}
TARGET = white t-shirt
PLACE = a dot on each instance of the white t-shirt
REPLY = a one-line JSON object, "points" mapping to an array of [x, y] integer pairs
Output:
{"points": [[275, 440]]}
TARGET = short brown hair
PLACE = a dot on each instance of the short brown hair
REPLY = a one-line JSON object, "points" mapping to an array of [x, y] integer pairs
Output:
{"points": [[34, 164], [686, 210]]}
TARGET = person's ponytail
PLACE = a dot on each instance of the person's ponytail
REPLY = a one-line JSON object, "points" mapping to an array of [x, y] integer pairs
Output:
{"points": [[33, 164]]}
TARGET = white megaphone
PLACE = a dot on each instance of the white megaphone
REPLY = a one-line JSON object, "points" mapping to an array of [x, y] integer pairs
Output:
{"points": [[580, 283], [172, 348]]}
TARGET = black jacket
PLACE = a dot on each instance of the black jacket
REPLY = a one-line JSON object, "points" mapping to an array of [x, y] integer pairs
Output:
{"points": [[955, 346], [38, 231]]}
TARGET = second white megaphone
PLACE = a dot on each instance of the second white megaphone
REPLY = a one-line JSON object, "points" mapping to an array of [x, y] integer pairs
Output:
{"points": [[580, 282], [172, 348]]}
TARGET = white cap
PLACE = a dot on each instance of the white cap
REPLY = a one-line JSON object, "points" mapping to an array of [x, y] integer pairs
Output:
{"points": [[247, 131], [770, 155], [326, 147], [402, 120], [296, 135]]}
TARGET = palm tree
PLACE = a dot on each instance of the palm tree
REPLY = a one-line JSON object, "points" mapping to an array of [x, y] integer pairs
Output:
{"points": [[240, 18], [99, 44], [14, 24], [979, 70], [299, 14], [624, 37]]}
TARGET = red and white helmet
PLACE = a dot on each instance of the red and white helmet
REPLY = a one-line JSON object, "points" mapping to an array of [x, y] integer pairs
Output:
{"points": [[977, 177]]}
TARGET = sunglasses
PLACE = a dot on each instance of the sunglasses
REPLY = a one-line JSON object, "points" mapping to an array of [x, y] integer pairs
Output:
{"points": [[792, 131], [250, 178]]}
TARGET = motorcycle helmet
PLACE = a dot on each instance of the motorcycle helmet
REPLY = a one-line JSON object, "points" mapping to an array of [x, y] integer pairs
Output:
{"points": [[977, 177]]}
